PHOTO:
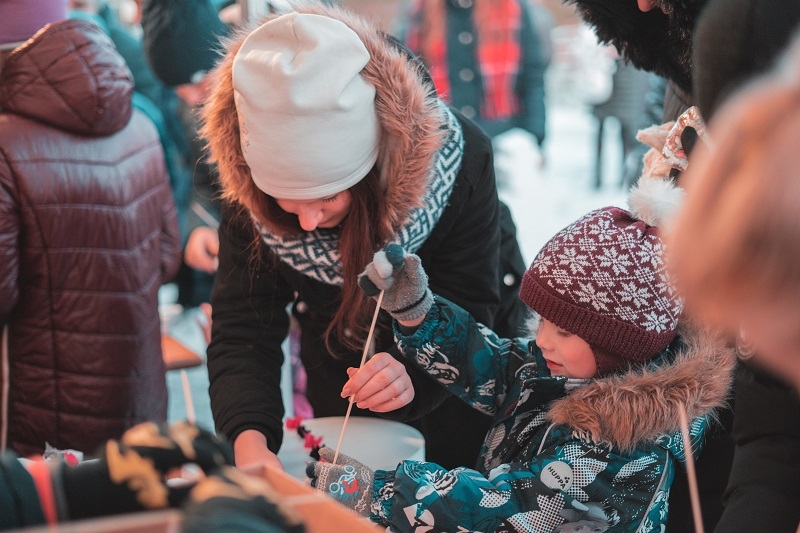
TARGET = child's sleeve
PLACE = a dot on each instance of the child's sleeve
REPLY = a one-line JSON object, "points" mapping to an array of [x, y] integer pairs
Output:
{"points": [[570, 483], [512, 498], [469, 359]]}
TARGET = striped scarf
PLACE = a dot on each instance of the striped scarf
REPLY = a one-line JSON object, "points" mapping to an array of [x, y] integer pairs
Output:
{"points": [[316, 253], [497, 24]]}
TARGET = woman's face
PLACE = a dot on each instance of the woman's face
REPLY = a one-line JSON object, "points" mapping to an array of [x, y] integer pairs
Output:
{"points": [[326, 212], [566, 353]]}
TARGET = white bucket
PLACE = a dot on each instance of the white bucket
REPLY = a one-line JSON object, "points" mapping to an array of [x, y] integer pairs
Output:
{"points": [[380, 444]]}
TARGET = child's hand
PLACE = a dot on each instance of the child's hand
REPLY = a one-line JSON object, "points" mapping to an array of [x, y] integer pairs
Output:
{"points": [[400, 275], [381, 385], [349, 482]]}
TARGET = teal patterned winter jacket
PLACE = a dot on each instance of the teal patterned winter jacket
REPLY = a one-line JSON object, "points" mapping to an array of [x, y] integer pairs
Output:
{"points": [[562, 453]]}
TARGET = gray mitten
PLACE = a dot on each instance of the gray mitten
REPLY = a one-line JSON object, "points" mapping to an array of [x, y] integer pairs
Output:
{"points": [[404, 282], [348, 482]]}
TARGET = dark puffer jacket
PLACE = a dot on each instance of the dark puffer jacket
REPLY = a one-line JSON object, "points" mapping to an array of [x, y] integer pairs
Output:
{"points": [[87, 235]]}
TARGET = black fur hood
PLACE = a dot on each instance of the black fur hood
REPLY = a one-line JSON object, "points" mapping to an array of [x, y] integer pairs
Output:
{"points": [[652, 41]]}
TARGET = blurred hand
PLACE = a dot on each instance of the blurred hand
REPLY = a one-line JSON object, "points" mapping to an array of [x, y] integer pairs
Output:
{"points": [[250, 450], [202, 250], [381, 385]]}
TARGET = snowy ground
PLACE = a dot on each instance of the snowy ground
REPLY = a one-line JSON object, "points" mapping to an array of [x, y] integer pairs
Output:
{"points": [[544, 200]]}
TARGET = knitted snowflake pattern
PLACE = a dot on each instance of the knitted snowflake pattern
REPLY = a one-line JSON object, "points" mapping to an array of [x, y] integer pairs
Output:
{"points": [[616, 270]]}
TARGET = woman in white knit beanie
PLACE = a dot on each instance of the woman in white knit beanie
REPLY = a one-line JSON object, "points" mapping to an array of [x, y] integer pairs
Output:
{"points": [[331, 143]]}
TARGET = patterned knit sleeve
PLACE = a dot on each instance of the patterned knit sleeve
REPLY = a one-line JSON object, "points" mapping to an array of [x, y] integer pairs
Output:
{"points": [[573, 482], [463, 355]]}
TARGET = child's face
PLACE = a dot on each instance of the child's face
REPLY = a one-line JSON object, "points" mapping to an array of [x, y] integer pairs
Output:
{"points": [[567, 354]]}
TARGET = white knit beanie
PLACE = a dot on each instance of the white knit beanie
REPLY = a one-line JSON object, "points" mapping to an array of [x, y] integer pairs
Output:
{"points": [[307, 116]]}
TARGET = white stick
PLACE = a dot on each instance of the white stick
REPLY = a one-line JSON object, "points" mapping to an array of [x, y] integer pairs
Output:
{"points": [[690, 473], [204, 215], [363, 360], [187, 396]]}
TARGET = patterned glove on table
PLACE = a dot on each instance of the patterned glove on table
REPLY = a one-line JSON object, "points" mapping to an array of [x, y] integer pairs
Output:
{"points": [[131, 473], [348, 481], [404, 282]]}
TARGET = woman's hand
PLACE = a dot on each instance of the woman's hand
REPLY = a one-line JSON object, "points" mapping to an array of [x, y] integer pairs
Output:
{"points": [[250, 450], [202, 249], [381, 385]]}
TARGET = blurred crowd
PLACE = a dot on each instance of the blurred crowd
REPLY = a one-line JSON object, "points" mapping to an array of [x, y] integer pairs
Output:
{"points": [[257, 154]]}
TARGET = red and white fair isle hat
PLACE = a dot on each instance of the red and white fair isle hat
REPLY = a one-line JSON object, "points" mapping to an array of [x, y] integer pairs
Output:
{"points": [[604, 278]]}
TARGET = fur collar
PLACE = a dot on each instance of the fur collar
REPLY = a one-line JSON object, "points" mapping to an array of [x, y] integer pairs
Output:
{"points": [[652, 41], [639, 406], [411, 121]]}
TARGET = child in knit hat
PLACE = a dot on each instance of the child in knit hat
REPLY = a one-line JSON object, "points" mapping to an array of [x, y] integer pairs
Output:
{"points": [[587, 414]]}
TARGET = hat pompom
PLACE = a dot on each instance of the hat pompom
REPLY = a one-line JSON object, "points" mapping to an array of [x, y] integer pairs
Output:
{"points": [[655, 200]]}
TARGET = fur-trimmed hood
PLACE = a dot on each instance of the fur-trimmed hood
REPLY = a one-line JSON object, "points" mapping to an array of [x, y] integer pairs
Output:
{"points": [[640, 406], [410, 118], [652, 41]]}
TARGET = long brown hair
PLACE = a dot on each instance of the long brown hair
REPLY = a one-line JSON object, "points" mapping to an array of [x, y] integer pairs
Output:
{"points": [[360, 236]]}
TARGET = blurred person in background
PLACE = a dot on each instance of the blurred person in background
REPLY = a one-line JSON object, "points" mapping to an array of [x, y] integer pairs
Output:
{"points": [[735, 257], [486, 59], [181, 40], [628, 104], [735, 41], [160, 103], [88, 234]]}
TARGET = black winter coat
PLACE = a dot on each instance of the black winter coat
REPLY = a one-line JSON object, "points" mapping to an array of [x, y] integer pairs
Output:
{"points": [[766, 474]]}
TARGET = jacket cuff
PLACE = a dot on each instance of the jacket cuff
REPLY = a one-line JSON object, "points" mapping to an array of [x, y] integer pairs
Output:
{"points": [[382, 495], [420, 334]]}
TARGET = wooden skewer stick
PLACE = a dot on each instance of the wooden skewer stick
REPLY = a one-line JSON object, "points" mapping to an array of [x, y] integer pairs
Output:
{"points": [[204, 215], [187, 396], [690, 472], [363, 360]]}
